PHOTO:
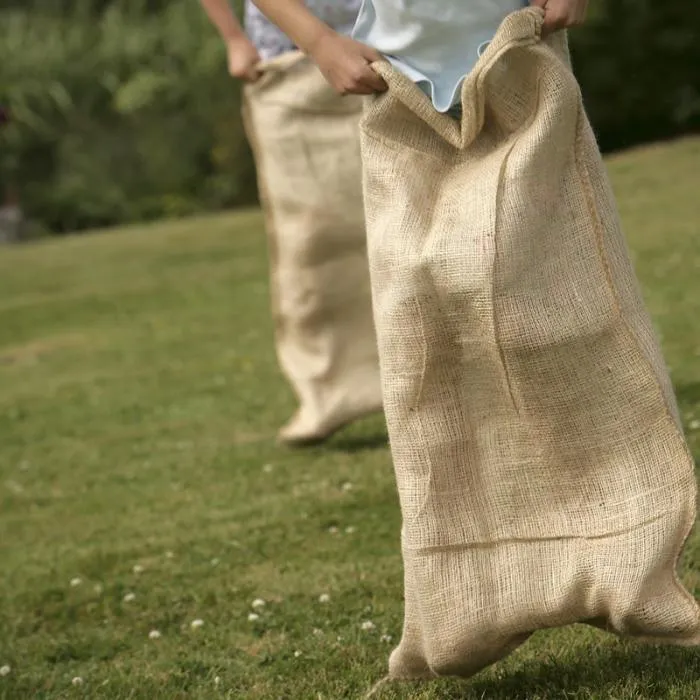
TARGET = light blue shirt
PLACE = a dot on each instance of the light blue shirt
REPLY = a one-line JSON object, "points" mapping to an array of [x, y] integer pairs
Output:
{"points": [[434, 42]]}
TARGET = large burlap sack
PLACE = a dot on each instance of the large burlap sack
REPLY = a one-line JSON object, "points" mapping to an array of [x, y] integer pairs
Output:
{"points": [[305, 140], [542, 471]]}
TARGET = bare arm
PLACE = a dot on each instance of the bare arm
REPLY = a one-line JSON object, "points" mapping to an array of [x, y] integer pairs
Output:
{"points": [[242, 55], [344, 62], [222, 17]]}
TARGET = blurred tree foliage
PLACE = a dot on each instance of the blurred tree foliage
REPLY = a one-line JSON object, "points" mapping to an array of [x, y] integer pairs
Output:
{"points": [[638, 62], [117, 115], [122, 110]]}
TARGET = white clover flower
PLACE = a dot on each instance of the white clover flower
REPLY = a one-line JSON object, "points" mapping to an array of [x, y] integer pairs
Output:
{"points": [[77, 681], [367, 625], [258, 603], [98, 588], [195, 624], [297, 654], [217, 680], [5, 670], [138, 569], [694, 424], [386, 638], [154, 634], [75, 582], [324, 598], [350, 529], [333, 529], [252, 617], [317, 632], [347, 486], [129, 597]]}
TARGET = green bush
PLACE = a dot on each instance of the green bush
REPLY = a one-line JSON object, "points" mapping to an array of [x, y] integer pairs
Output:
{"points": [[123, 117], [638, 62], [123, 111]]}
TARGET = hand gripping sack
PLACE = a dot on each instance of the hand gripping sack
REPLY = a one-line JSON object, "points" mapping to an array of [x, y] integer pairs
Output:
{"points": [[541, 467], [305, 140]]}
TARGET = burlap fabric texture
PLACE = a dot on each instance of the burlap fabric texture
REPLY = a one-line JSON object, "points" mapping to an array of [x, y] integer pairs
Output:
{"points": [[542, 471], [305, 141]]}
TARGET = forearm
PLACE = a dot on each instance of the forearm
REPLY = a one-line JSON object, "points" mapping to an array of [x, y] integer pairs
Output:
{"points": [[222, 17], [296, 21]]}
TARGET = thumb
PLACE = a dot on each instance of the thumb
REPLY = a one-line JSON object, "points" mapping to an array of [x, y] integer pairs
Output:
{"points": [[370, 54], [253, 74]]}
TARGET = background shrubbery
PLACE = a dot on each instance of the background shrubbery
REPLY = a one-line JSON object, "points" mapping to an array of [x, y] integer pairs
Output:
{"points": [[123, 110]]}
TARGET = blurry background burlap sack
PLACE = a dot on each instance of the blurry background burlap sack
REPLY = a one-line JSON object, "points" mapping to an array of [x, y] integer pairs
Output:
{"points": [[542, 471], [305, 140]]}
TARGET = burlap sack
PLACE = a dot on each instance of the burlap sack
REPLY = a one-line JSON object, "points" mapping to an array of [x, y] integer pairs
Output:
{"points": [[542, 471], [305, 140]]}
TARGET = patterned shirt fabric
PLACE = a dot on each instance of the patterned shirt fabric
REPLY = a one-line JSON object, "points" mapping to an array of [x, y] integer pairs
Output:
{"points": [[271, 41]]}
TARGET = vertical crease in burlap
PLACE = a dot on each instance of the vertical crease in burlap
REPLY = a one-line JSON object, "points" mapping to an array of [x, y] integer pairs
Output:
{"points": [[542, 471]]}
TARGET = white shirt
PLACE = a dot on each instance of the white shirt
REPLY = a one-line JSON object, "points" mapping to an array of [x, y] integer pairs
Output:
{"points": [[434, 42]]}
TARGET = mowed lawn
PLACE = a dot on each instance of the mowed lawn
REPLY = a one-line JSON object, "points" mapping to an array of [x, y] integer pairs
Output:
{"points": [[141, 488]]}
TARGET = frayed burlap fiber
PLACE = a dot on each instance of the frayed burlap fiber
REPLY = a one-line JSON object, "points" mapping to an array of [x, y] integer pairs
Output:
{"points": [[305, 140], [542, 471]]}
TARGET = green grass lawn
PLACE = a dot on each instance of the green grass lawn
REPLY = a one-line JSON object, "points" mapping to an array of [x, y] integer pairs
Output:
{"points": [[141, 488]]}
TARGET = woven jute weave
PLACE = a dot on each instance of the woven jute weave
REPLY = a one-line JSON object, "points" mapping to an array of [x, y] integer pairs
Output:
{"points": [[305, 140], [542, 471]]}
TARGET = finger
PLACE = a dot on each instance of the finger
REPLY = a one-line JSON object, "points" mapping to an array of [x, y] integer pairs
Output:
{"points": [[554, 20], [372, 80], [358, 89], [253, 74], [371, 55]]}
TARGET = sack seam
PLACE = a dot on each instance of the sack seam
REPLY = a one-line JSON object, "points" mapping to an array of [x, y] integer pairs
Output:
{"points": [[589, 195]]}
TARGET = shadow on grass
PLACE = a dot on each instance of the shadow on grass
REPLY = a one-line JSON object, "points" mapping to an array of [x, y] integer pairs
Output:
{"points": [[627, 670], [359, 443]]}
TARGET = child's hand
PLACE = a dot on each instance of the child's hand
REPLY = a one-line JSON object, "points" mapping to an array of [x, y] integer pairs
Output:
{"points": [[561, 14], [345, 64], [243, 59]]}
